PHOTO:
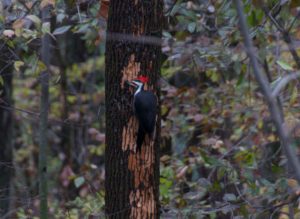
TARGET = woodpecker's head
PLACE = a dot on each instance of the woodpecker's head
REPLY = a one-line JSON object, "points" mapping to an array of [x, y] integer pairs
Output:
{"points": [[138, 83]]}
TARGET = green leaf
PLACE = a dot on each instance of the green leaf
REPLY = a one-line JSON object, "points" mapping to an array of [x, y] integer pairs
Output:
{"points": [[294, 95], [189, 14], [10, 43], [83, 28], [167, 172], [245, 158], [175, 9], [165, 186], [29, 34], [60, 17], [79, 181], [241, 77], [192, 27], [275, 82], [164, 191], [166, 182], [1, 81], [259, 15], [61, 30], [220, 173], [213, 75], [34, 19], [18, 65], [40, 67], [284, 65], [255, 17], [170, 71], [229, 197], [46, 27], [2, 18], [251, 19], [167, 34]]}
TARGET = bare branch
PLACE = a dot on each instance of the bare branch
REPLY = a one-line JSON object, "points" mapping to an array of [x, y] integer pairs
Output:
{"points": [[286, 37], [283, 82], [274, 21], [293, 22], [271, 101]]}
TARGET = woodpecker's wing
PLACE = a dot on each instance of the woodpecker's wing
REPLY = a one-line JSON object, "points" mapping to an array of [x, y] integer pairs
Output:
{"points": [[145, 109]]}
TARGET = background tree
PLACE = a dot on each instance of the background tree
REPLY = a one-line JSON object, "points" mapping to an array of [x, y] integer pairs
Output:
{"points": [[6, 126], [44, 109], [132, 179]]}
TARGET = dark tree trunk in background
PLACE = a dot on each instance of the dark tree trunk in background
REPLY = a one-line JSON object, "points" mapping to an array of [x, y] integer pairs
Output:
{"points": [[43, 123], [6, 122], [132, 49]]}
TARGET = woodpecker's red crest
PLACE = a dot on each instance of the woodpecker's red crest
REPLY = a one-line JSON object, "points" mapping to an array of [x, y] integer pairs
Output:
{"points": [[143, 79]]}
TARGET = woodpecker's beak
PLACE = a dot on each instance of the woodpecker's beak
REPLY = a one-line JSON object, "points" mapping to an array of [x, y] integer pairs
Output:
{"points": [[132, 84]]}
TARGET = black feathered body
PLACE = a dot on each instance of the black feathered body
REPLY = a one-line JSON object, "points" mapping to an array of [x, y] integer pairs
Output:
{"points": [[145, 108]]}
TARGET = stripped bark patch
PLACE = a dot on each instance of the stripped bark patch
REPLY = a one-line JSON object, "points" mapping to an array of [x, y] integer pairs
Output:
{"points": [[128, 134], [143, 159], [143, 203], [130, 71], [140, 164], [142, 167]]}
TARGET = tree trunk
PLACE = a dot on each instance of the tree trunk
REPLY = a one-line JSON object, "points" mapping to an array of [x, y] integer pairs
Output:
{"points": [[132, 48], [6, 126], [43, 123]]}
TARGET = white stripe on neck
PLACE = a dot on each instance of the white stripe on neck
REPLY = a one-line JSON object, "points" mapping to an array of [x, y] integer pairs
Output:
{"points": [[140, 86]]}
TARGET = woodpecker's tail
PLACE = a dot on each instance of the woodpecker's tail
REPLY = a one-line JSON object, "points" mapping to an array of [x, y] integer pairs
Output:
{"points": [[140, 138]]}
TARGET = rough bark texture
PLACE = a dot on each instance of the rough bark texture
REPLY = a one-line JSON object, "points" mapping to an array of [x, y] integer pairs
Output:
{"points": [[132, 179], [6, 167]]}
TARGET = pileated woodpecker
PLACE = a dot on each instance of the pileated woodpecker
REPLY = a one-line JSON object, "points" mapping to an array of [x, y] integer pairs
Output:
{"points": [[145, 109]]}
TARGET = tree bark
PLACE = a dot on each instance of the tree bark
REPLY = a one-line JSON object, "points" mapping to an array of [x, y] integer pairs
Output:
{"points": [[6, 127], [43, 123], [132, 48]]}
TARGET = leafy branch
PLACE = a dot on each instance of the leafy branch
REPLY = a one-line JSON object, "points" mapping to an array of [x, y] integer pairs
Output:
{"points": [[274, 108]]}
